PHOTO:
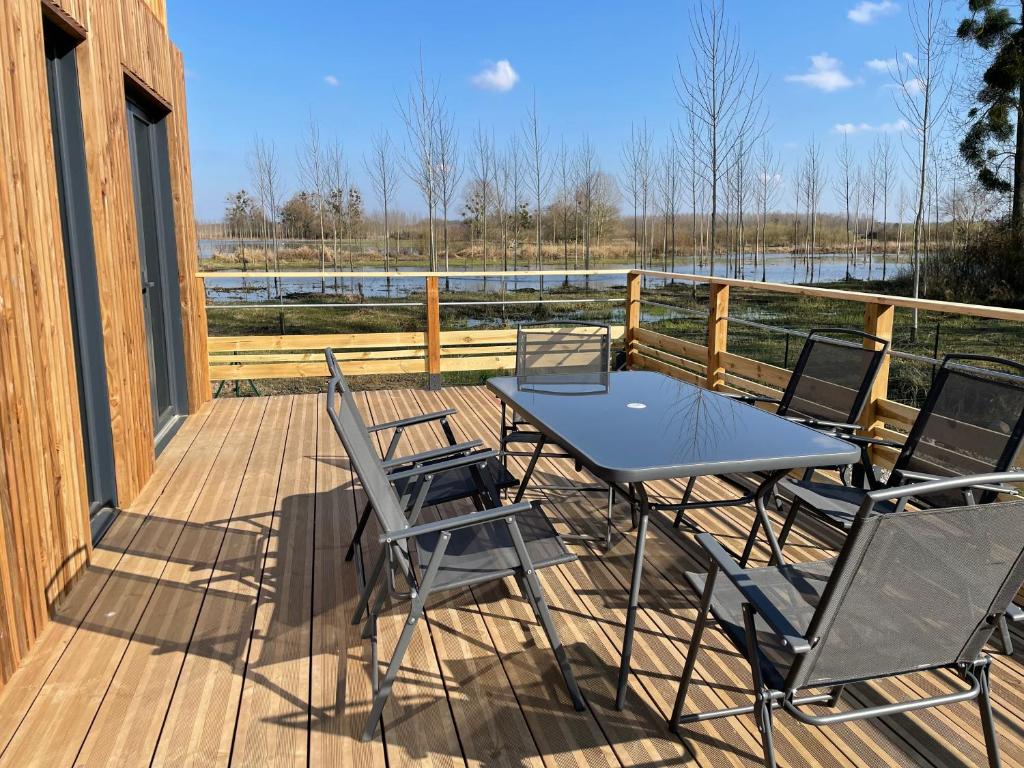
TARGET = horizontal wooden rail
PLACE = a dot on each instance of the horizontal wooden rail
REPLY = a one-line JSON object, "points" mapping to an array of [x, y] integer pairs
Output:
{"points": [[321, 275], [926, 305], [234, 358]]}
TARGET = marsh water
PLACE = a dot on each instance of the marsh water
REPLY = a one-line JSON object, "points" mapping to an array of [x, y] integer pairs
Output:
{"points": [[778, 268]]}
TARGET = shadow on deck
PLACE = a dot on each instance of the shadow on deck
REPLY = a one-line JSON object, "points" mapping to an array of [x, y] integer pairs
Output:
{"points": [[213, 629]]}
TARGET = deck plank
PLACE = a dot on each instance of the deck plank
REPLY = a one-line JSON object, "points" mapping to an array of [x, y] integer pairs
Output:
{"points": [[22, 689], [200, 720], [340, 658], [273, 717], [122, 731], [221, 599], [52, 732]]}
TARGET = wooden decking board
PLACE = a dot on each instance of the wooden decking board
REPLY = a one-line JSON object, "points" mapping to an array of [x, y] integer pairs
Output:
{"points": [[230, 634], [273, 718], [485, 647], [418, 722], [123, 732], [340, 659], [19, 694], [200, 720], [87, 666], [815, 735]]}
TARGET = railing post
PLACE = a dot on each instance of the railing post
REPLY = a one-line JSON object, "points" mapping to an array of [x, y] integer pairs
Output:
{"points": [[718, 333], [433, 335], [632, 314], [878, 321]]}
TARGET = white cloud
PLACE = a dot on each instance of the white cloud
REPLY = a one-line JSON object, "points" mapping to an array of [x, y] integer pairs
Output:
{"points": [[332, 81], [825, 74], [889, 65], [851, 128], [499, 77], [913, 86], [881, 65], [866, 11]]}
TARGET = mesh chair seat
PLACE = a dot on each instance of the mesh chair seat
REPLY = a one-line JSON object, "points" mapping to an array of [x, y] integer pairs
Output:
{"points": [[838, 503], [486, 552], [457, 484], [795, 590]]}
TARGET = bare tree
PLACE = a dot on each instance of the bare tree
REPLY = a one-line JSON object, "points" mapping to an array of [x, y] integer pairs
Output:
{"points": [[484, 171], [668, 193], [312, 164], [540, 176], [566, 198], [419, 113], [337, 198], [886, 177], [844, 190], [448, 172], [587, 173], [631, 182], [381, 168], [815, 177], [724, 90], [265, 169], [922, 91], [769, 189], [874, 182]]}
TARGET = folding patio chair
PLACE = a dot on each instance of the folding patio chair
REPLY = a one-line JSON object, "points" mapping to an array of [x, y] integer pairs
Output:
{"points": [[550, 355], [461, 480], [910, 591], [827, 389], [474, 548], [972, 422]]}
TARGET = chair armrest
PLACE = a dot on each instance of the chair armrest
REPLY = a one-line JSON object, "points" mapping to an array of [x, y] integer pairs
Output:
{"points": [[779, 624], [1014, 613], [437, 467], [434, 453], [423, 418], [837, 425], [865, 440], [456, 523], [745, 398], [906, 474]]}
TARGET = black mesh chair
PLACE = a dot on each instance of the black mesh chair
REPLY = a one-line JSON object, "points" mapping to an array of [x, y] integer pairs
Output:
{"points": [[972, 422], [827, 389], [463, 479], [910, 591], [549, 356], [473, 548]]}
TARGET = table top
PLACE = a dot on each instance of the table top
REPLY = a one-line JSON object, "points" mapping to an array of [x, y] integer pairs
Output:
{"points": [[641, 425]]}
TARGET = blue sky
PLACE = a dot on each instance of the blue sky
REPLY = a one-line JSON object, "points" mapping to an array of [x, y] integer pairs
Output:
{"points": [[595, 66]]}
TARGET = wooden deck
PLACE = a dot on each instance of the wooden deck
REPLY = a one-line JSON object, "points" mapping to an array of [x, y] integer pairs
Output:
{"points": [[213, 629]]}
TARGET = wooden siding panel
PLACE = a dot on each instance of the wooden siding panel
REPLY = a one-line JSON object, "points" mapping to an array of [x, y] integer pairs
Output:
{"points": [[44, 526]]}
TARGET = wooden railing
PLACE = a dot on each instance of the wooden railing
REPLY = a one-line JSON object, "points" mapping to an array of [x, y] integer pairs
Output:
{"points": [[434, 351], [431, 351], [712, 365]]}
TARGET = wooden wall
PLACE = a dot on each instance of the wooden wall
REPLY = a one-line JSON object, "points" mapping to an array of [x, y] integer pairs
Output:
{"points": [[44, 526]]}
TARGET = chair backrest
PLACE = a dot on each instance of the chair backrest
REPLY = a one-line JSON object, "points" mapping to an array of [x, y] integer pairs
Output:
{"points": [[833, 375], [915, 590], [363, 455], [972, 421], [576, 352]]}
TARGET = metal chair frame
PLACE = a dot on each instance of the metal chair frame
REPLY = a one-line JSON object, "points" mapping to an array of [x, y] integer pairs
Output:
{"points": [[806, 647], [399, 531], [512, 432]]}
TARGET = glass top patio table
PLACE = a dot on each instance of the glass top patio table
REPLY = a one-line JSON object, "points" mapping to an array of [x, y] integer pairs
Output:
{"points": [[631, 427], [638, 426]]}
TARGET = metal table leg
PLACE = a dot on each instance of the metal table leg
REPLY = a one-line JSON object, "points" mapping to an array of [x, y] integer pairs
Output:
{"points": [[529, 469], [640, 494], [763, 521]]}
